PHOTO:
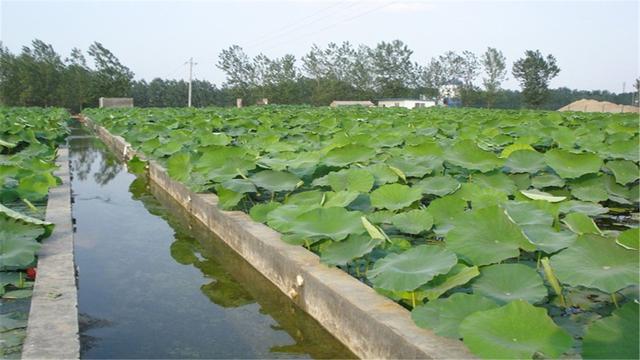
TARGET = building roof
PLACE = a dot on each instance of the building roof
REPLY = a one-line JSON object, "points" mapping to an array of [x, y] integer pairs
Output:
{"points": [[403, 99], [351, 102]]}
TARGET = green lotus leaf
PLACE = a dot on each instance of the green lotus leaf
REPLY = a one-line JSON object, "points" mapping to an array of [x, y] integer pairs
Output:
{"points": [[227, 199], [409, 270], [629, 239], [340, 198], [312, 198], [522, 181], [514, 147], [416, 167], [10, 277], [169, 148], [589, 188], [570, 165], [564, 137], [580, 224], [547, 180], [486, 236], [348, 154], [335, 223], [36, 186], [596, 262], [527, 213], [517, 330], [18, 243], [587, 208], [548, 239], [357, 180], [613, 337], [437, 185], [214, 139], [179, 166], [241, 186], [394, 196], [413, 221], [340, 253], [458, 275], [259, 212], [504, 283], [627, 150], [282, 217], [534, 194], [625, 171], [382, 174], [481, 196], [444, 316], [468, 155], [425, 148], [11, 321], [619, 193], [496, 180], [275, 181], [48, 227], [136, 165], [6, 144], [525, 161], [444, 210]]}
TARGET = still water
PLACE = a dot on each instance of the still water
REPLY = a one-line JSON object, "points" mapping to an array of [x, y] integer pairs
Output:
{"points": [[154, 283]]}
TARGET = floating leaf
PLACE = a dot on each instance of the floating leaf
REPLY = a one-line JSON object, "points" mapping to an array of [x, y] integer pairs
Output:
{"points": [[438, 185], [580, 224], [335, 223], [527, 213], [589, 188], [507, 282], [547, 180], [613, 337], [357, 180], [517, 330], [394, 196], [625, 171], [348, 154], [596, 262], [444, 316], [413, 221], [468, 155], [412, 268], [525, 161], [340, 253], [587, 208], [570, 165], [458, 275], [547, 239], [486, 236], [275, 181]]}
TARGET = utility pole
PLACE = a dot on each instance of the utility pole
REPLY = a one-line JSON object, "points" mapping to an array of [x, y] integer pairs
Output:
{"points": [[191, 63]]}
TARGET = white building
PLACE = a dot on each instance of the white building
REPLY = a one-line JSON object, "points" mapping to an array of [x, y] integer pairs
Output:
{"points": [[406, 103], [337, 103]]}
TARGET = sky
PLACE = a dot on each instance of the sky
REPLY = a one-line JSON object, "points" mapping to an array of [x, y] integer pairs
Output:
{"points": [[596, 43]]}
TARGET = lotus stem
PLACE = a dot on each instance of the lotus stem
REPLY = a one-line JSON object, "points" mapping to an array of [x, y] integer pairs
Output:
{"points": [[615, 300], [538, 262], [555, 284], [413, 299]]}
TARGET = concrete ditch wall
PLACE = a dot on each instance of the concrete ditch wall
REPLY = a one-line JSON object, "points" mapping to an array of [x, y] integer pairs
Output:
{"points": [[371, 325], [52, 328]]}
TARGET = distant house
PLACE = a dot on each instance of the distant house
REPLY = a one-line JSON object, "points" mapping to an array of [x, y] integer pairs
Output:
{"points": [[406, 103], [337, 103]]}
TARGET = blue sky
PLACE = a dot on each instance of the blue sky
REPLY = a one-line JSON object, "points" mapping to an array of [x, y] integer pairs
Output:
{"points": [[595, 42]]}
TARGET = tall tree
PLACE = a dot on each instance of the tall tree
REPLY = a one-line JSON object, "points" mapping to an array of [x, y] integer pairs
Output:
{"points": [[534, 72], [239, 70], [77, 81], [111, 78], [495, 67], [392, 68]]}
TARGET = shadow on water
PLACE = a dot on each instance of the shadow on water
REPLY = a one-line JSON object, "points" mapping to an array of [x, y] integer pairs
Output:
{"points": [[155, 283]]}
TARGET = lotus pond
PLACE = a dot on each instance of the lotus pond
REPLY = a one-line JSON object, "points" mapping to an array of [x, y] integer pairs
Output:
{"points": [[514, 231]]}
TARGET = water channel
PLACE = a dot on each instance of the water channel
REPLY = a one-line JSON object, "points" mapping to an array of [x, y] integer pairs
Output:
{"points": [[155, 283]]}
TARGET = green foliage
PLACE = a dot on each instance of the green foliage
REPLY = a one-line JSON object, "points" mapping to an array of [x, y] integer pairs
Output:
{"points": [[534, 73]]}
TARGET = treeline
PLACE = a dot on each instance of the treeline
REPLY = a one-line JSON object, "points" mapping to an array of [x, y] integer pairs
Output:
{"points": [[38, 76]]}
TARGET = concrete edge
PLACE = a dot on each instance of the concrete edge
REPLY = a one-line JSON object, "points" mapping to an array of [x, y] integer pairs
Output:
{"points": [[52, 328], [369, 324]]}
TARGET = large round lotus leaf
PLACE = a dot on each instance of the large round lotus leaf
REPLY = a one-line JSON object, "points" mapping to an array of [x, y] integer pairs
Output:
{"points": [[348, 154], [458, 275], [527, 213], [570, 165], [408, 270], [18, 243], [311, 198], [281, 218], [481, 196], [627, 150], [548, 239], [470, 156], [351, 180], [615, 336], [486, 236], [444, 210], [382, 174], [275, 180], [547, 180], [169, 148], [596, 262], [240, 185], [227, 199], [335, 223], [629, 239], [525, 161], [589, 188], [507, 282], [438, 185], [413, 221], [394, 196], [517, 330], [444, 316], [340, 198], [497, 180], [416, 167], [340, 253], [625, 171]]}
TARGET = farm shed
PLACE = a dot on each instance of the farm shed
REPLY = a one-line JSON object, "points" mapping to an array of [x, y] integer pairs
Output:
{"points": [[406, 103], [337, 103]]}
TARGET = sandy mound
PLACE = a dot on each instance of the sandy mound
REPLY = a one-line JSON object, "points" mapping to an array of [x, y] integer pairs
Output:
{"points": [[587, 105]]}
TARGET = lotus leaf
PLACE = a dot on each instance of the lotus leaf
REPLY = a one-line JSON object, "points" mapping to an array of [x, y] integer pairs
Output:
{"points": [[481, 196], [382, 174], [413, 221], [340, 253], [589, 188], [587, 208], [358, 180], [504, 283], [525, 161], [547, 180], [18, 243], [227, 199], [335, 223], [625, 171], [340, 198], [458, 275], [627, 150], [411, 269], [468, 155], [580, 224], [496, 180], [444, 210], [570, 165], [394, 196], [596, 262], [348, 154], [282, 217], [259, 212], [514, 147], [438, 185], [629, 239], [275, 180], [527, 213], [548, 239], [445, 315], [517, 330], [534, 194], [179, 166], [486, 236], [615, 336]]}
